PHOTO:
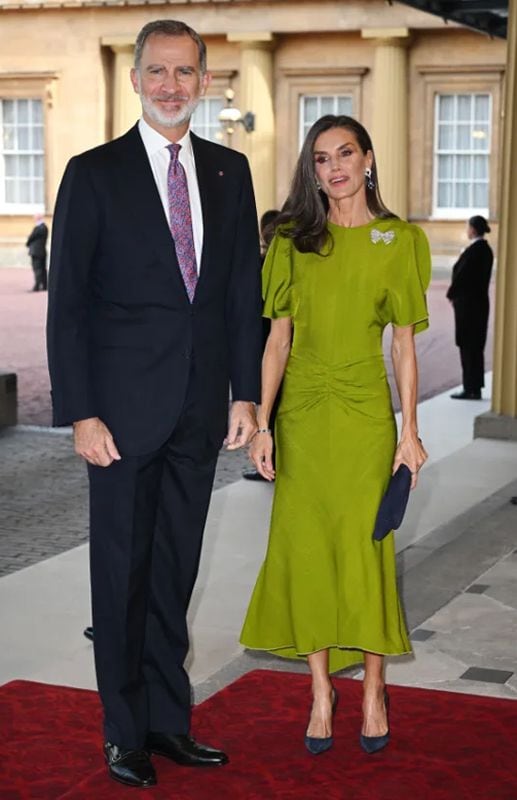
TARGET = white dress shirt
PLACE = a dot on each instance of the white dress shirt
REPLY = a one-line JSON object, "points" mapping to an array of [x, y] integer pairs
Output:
{"points": [[159, 157]]}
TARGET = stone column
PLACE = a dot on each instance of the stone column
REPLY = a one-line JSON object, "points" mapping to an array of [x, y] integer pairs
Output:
{"points": [[126, 103], [256, 94], [389, 128], [501, 421]]}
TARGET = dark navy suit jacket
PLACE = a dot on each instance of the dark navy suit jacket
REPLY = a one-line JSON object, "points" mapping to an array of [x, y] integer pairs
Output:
{"points": [[121, 331]]}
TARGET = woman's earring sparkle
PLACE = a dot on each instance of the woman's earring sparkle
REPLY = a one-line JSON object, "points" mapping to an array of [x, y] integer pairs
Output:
{"points": [[370, 183]]}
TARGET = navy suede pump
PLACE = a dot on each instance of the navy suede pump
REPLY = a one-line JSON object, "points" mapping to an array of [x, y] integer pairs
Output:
{"points": [[319, 744], [372, 744]]}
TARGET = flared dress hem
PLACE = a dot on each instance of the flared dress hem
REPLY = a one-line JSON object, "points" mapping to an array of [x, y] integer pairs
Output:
{"points": [[294, 655]]}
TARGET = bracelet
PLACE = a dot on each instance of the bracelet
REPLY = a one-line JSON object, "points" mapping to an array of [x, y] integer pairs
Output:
{"points": [[263, 430]]}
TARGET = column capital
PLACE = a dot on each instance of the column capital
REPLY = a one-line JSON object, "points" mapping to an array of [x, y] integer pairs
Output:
{"points": [[253, 40], [388, 36]]}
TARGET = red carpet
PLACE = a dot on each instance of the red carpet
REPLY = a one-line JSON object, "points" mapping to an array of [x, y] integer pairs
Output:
{"points": [[445, 746]]}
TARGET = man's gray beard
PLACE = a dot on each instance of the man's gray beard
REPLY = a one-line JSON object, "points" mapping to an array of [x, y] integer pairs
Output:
{"points": [[166, 120]]}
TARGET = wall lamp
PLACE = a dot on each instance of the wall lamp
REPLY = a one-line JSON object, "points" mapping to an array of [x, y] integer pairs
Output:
{"points": [[230, 116]]}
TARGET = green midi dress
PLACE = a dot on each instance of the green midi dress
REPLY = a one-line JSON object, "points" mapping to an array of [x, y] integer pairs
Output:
{"points": [[324, 582]]}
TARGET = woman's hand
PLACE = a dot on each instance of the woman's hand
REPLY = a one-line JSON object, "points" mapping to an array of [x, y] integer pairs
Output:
{"points": [[410, 451], [261, 454]]}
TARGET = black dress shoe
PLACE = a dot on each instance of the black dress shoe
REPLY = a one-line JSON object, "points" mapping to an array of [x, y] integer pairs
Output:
{"points": [[466, 396], [132, 767], [253, 475], [88, 632], [184, 750]]}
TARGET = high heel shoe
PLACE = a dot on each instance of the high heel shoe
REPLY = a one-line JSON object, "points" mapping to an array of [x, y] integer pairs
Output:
{"points": [[372, 744], [319, 744]]}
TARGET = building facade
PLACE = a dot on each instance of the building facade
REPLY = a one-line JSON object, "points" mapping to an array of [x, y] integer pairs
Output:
{"points": [[429, 92]]}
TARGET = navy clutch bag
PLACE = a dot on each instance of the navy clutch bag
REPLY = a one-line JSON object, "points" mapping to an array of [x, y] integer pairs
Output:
{"points": [[393, 504]]}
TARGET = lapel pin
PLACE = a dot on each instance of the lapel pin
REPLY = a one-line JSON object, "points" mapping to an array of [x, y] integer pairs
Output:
{"points": [[220, 173]]}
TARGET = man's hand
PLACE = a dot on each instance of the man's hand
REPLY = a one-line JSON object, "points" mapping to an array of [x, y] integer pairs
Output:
{"points": [[243, 424], [94, 442]]}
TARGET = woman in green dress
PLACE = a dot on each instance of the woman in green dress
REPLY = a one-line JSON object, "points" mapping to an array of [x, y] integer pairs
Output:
{"points": [[340, 268]]}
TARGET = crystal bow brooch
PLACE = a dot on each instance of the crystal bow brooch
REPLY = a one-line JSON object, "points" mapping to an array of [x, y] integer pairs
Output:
{"points": [[377, 236]]}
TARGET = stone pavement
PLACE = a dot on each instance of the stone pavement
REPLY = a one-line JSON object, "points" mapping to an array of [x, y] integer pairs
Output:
{"points": [[44, 493]]}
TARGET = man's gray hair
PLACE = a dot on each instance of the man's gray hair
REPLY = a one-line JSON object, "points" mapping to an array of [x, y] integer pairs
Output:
{"points": [[169, 27]]}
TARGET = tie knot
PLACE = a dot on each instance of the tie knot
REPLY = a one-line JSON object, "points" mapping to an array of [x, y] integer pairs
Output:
{"points": [[174, 150]]}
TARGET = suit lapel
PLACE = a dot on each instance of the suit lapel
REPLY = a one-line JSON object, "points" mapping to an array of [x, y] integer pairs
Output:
{"points": [[210, 202], [139, 187]]}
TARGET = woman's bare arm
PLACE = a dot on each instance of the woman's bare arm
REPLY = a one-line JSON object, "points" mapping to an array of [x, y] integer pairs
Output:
{"points": [[410, 450]]}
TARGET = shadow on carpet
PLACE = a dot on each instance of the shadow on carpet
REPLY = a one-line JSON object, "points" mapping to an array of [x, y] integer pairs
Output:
{"points": [[444, 746]]}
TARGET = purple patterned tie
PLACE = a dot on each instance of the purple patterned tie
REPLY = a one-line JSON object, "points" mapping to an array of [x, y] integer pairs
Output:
{"points": [[180, 220]]}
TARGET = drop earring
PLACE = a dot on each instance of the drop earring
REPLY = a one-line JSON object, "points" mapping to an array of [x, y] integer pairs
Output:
{"points": [[318, 184], [370, 183]]}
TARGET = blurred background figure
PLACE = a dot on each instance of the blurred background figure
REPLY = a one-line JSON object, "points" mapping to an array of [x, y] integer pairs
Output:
{"points": [[37, 244], [267, 232], [468, 294]]}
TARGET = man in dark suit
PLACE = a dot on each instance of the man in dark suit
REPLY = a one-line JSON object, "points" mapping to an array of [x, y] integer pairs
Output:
{"points": [[468, 294], [37, 244], [154, 310]]}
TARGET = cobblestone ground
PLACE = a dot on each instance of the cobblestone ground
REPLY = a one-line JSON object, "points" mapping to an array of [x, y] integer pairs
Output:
{"points": [[44, 495]]}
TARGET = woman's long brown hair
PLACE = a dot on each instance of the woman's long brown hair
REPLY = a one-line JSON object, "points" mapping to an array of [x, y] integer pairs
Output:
{"points": [[303, 217]]}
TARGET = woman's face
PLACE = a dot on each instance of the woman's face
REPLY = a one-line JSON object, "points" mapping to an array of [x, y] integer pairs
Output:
{"points": [[339, 163]]}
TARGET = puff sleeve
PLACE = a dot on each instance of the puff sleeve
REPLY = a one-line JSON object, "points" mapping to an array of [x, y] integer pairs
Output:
{"points": [[276, 279], [407, 294]]}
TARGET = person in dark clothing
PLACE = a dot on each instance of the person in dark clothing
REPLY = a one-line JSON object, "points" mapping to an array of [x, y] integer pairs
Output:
{"points": [[468, 294], [37, 244], [267, 232]]}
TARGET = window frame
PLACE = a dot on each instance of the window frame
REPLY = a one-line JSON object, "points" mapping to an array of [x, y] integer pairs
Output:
{"points": [[459, 212], [15, 207], [456, 79], [31, 86], [207, 99], [296, 82], [303, 97]]}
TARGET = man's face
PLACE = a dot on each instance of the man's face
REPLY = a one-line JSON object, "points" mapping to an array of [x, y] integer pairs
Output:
{"points": [[169, 80]]}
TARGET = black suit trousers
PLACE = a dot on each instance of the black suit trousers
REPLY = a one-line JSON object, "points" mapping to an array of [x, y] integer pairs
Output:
{"points": [[473, 368], [39, 267], [147, 516]]}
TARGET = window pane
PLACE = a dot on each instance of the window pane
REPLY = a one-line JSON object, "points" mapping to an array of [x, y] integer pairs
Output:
{"points": [[23, 138], [480, 167], [480, 138], [480, 195], [344, 105], [9, 111], [445, 166], [482, 107], [327, 105], [444, 195], [462, 195], [310, 109], [24, 188], [11, 166], [446, 137], [10, 191], [463, 137], [9, 137], [446, 108], [24, 166], [39, 194], [36, 111], [464, 107], [23, 111], [37, 138], [463, 165]]}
